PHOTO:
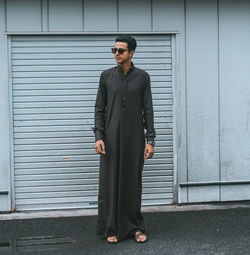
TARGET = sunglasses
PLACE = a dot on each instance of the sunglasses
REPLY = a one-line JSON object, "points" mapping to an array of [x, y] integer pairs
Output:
{"points": [[120, 50]]}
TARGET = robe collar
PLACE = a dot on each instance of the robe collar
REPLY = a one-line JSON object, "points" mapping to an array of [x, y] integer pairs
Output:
{"points": [[130, 70]]}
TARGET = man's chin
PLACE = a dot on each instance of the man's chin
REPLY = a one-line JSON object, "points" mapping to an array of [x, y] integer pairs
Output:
{"points": [[118, 61]]}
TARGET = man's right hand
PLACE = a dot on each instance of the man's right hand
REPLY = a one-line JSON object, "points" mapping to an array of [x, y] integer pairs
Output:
{"points": [[100, 147]]}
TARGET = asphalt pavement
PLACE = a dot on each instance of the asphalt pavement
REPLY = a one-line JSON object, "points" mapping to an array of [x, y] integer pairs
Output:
{"points": [[222, 231]]}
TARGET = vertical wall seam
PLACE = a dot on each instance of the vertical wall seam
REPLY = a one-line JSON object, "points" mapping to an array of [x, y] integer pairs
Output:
{"points": [[48, 16], [186, 113], [83, 16], [117, 10], [41, 15], [219, 105], [152, 24]]}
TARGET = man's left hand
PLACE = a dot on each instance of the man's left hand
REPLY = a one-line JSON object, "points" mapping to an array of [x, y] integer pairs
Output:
{"points": [[149, 151]]}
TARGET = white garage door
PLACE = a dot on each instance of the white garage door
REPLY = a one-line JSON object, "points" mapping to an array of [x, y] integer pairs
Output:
{"points": [[55, 80]]}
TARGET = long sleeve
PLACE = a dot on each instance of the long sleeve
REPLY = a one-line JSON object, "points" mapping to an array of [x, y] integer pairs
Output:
{"points": [[148, 111], [100, 110]]}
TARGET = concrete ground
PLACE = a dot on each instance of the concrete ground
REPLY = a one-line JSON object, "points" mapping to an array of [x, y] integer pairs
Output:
{"points": [[194, 229]]}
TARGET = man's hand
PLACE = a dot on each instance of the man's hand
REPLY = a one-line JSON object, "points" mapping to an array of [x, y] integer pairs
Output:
{"points": [[100, 147], [149, 151]]}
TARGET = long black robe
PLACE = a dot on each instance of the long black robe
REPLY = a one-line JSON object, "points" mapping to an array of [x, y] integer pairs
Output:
{"points": [[123, 109]]}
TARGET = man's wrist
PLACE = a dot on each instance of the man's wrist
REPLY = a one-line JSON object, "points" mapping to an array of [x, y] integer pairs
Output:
{"points": [[151, 142]]}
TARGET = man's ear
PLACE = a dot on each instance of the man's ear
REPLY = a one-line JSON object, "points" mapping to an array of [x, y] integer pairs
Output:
{"points": [[132, 53]]}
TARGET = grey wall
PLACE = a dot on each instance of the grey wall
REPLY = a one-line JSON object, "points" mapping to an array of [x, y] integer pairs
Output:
{"points": [[202, 97], [217, 71], [212, 107], [234, 89]]}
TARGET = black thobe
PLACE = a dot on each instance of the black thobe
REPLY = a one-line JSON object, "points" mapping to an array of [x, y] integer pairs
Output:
{"points": [[123, 109]]}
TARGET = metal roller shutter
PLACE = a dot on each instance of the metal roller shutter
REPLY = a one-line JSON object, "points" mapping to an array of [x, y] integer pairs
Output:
{"points": [[54, 81]]}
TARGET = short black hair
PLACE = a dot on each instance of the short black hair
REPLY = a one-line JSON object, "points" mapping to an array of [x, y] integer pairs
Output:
{"points": [[129, 40]]}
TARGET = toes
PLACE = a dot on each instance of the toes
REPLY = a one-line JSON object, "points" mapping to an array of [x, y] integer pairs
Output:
{"points": [[140, 237], [112, 239]]}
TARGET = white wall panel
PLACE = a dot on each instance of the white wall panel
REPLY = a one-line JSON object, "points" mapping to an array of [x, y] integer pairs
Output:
{"points": [[203, 194], [168, 15], [44, 15], [235, 93], [235, 192], [134, 15], [100, 15], [23, 15], [65, 15], [202, 92]]}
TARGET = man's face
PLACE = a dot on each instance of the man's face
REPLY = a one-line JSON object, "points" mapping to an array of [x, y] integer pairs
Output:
{"points": [[125, 56]]}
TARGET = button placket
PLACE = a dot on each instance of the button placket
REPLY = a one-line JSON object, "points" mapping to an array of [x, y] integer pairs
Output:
{"points": [[124, 95]]}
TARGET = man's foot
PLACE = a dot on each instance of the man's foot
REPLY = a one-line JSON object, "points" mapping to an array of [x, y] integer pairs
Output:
{"points": [[112, 239], [140, 237]]}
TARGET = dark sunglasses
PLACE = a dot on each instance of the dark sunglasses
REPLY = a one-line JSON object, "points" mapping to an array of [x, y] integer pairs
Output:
{"points": [[120, 50]]}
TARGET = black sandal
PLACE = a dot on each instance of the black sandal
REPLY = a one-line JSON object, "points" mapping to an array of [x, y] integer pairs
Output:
{"points": [[138, 235], [113, 242]]}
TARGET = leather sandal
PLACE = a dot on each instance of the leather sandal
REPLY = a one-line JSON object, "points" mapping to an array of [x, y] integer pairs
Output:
{"points": [[138, 235], [113, 241]]}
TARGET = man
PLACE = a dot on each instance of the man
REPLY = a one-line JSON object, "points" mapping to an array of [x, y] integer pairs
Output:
{"points": [[123, 108]]}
